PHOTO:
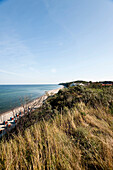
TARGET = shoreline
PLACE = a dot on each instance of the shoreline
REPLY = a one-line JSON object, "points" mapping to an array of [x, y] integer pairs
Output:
{"points": [[35, 104]]}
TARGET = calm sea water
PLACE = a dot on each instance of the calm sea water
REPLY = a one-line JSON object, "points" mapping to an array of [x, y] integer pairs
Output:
{"points": [[14, 95]]}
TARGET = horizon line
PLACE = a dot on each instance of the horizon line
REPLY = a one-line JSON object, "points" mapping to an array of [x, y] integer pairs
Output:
{"points": [[33, 84]]}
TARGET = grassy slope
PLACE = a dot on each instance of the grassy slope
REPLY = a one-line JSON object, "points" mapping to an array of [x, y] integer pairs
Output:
{"points": [[73, 130]]}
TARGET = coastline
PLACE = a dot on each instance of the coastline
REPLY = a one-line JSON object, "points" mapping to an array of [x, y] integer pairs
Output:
{"points": [[33, 104]]}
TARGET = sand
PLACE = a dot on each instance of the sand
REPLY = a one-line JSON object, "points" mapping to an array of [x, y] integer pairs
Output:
{"points": [[34, 105]]}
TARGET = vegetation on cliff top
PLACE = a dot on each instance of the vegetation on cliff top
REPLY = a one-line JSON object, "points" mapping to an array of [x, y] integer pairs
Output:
{"points": [[72, 130], [99, 83]]}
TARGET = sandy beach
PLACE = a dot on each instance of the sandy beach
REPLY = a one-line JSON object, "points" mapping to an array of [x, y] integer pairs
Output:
{"points": [[34, 105]]}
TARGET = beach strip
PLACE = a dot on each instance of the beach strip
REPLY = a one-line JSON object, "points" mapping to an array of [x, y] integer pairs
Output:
{"points": [[36, 103]]}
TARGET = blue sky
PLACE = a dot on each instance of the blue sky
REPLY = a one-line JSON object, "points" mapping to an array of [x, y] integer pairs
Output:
{"points": [[52, 41]]}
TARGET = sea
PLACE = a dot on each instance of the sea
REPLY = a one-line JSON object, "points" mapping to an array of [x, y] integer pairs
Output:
{"points": [[12, 96]]}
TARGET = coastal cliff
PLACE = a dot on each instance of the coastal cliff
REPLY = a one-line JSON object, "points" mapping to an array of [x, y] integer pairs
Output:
{"points": [[73, 129]]}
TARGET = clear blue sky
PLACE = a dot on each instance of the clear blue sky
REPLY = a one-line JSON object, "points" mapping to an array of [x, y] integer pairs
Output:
{"points": [[52, 41]]}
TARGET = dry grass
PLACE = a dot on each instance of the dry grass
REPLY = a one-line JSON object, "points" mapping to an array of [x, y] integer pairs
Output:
{"points": [[81, 138]]}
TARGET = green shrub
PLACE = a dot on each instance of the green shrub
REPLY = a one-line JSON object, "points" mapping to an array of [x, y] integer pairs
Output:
{"points": [[83, 113]]}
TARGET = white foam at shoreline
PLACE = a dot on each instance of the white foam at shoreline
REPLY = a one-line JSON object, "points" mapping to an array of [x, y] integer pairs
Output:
{"points": [[35, 103]]}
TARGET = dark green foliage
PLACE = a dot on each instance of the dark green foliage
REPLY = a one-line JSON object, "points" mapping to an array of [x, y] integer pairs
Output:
{"points": [[83, 113], [69, 97], [90, 83], [111, 107]]}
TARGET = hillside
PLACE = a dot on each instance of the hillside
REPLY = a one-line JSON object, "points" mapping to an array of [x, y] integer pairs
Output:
{"points": [[72, 130], [99, 83]]}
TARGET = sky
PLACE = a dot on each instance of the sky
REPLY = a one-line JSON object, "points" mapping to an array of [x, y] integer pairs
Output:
{"points": [[53, 41]]}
